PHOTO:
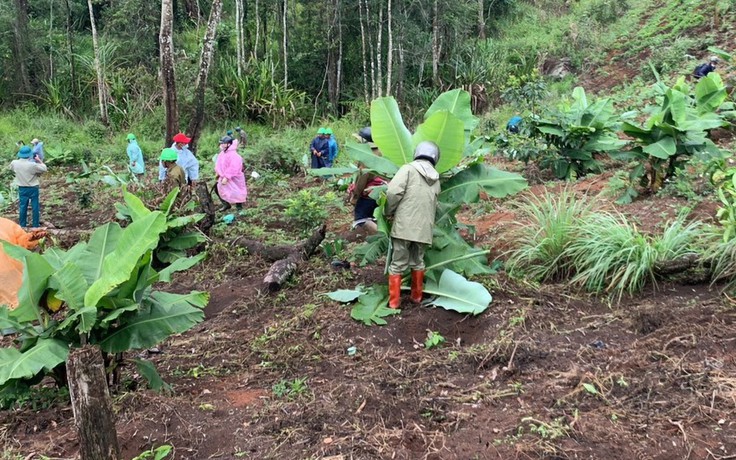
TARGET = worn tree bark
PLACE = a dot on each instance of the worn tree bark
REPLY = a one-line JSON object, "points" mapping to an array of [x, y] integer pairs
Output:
{"points": [[205, 62], [101, 86], [282, 269], [91, 404], [206, 206], [166, 50], [436, 43]]}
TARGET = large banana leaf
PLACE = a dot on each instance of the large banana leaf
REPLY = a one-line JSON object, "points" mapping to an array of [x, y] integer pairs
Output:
{"points": [[36, 273], [710, 93], [465, 186], [137, 238], [372, 306], [70, 285], [457, 102], [362, 153], [450, 251], [456, 293], [185, 263], [663, 148], [446, 130], [389, 132], [166, 314], [102, 242], [45, 354], [135, 206]]}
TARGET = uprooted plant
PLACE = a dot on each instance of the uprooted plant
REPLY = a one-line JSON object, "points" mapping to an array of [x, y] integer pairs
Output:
{"points": [[98, 292], [448, 123]]}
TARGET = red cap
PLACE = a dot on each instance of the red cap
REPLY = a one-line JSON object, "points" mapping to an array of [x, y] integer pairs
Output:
{"points": [[181, 138]]}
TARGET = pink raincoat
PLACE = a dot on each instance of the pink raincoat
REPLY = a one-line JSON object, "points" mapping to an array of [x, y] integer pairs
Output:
{"points": [[230, 176]]}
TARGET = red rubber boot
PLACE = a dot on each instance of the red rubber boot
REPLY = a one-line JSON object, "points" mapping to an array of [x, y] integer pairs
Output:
{"points": [[417, 285], [394, 291]]}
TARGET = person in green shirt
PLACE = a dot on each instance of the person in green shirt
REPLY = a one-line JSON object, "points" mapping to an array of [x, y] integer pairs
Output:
{"points": [[175, 176]]}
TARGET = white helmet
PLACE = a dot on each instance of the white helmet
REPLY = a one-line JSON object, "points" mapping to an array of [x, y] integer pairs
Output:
{"points": [[427, 150], [714, 59]]}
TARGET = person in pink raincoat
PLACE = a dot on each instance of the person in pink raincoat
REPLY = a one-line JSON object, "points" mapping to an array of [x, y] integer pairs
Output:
{"points": [[230, 177]]}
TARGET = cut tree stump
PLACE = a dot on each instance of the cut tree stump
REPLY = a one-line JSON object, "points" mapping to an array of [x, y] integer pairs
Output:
{"points": [[282, 269], [91, 404], [206, 206]]}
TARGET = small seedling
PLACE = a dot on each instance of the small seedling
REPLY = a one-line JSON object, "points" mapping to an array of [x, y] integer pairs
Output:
{"points": [[434, 339], [158, 453]]}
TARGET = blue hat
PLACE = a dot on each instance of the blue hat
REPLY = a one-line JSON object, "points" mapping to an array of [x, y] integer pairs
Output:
{"points": [[25, 152]]}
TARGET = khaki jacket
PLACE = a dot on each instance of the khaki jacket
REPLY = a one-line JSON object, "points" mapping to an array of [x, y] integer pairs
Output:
{"points": [[412, 199]]}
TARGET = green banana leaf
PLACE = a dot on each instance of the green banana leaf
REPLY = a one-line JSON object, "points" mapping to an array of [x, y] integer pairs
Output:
{"points": [[135, 206], [164, 314], [36, 274], [454, 292], [70, 285], [710, 93], [663, 148], [45, 354], [345, 295], [137, 238], [465, 186], [362, 153], [457, 102], [372, 306], [389, 132], [102, 242], [445, 130], [148, 371]]}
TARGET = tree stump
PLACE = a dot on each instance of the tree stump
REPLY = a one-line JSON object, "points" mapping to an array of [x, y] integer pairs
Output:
{"points": [[92, 406], [282, 269]]}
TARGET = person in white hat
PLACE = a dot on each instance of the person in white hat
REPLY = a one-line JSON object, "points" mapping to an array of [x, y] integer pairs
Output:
{"points": [[37, 149]]}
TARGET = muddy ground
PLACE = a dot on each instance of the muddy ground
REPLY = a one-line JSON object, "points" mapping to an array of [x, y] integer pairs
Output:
{"points": [[544, 373]]}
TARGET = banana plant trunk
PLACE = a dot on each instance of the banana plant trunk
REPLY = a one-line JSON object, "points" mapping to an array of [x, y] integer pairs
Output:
{"points": [[91, 404]]}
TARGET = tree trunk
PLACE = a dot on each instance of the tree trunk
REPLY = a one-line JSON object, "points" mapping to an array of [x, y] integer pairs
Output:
{"points": [[166, 49], [371, 50], [70, 50], [205, 62], [379, 53], [339, 52], [436, 44], [239, 35], [91, 405], [258, 31], [481, 21], [207, 207], [101, 87], [21, 47], [390, 55], [365, 58], [286, 51]]}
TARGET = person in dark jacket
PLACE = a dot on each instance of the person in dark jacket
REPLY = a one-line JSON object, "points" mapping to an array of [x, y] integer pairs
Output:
{"points": [[704, 69], [319, 149], [411, 199]]}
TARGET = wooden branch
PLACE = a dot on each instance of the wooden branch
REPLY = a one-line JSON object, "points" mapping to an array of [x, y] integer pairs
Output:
{"points": [[270, 253], [282, 269], [91, 405]]}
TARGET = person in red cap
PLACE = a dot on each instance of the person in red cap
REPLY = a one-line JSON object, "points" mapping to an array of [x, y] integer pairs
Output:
{"points": [[187, 160]]}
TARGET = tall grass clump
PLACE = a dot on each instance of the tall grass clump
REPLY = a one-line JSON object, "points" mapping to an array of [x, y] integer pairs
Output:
{"points": [[720, 256], [550, 223], [609, 254]]}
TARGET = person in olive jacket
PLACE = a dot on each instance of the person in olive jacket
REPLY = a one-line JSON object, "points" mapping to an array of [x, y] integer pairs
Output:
{"points": [[411, 199]]}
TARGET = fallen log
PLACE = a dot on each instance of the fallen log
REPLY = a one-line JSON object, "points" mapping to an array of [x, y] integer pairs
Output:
{"points": [[270, 253], [671, 267], [282, 269]]}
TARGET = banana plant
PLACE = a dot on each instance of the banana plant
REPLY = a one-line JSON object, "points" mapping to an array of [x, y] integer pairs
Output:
{"points": [[449, 123], [677, 130], [98, 292]]}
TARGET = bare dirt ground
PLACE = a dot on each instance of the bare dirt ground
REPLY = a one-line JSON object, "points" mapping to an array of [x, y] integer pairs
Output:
{"points": [[544, 373]]}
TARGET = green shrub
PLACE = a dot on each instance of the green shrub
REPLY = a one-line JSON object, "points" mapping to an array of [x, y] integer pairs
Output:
{"points": [[276, 154], [309, 209]]}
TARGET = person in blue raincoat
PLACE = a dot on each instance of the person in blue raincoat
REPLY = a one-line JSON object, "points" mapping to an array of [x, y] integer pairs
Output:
{"points": [[320, 150], [514, 124], [135, 156], [333, 149], [37, 149]]}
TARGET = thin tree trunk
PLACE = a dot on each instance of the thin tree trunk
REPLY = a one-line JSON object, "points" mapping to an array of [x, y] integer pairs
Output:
{"points": [[70, 49], [205, 62], [286, 51], [379, 53], [166, 47], [91, 404], [436, 44], [258, 31], [372, 54], [239, 35], [51, 46], [365, 64], [390, 56], [101, 88], [21, 44], [339, 50], [481, 21]]}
